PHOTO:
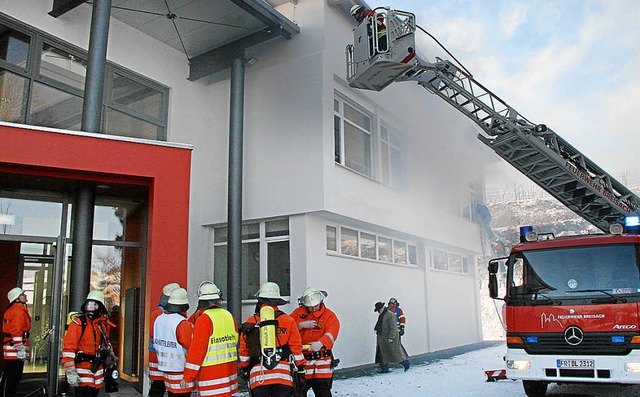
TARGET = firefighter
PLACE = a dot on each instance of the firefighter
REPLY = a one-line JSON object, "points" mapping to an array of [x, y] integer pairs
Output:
{"points": [[212, 357], [172, 335], [395, 308], [15, 325], [319, 329], [156, 376], [86, 350], [268, 345], [360, 14]]}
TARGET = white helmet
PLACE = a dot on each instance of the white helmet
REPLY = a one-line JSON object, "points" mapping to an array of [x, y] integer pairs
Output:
{"points": [[178, 301], [166, 290], [312, 297], [208, 290], [269, 290], [96, 295], [14, 294], [354, 10]]}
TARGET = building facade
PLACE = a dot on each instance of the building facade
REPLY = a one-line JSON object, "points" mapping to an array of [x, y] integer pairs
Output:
{"points": [[365, 195]]}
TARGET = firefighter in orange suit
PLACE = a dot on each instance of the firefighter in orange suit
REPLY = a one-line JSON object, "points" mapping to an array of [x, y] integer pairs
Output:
{"points": [[156, 376], [86, 349], [172, 335], [213, 354], [203, 303], [319, 328], [268, 371], [15, 325]]}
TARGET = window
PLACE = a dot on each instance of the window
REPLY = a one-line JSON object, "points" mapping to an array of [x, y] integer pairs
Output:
{"points": [[352, 134], [361, 244], [47, 89], [450, 262], [265, 256], [391, 158]]}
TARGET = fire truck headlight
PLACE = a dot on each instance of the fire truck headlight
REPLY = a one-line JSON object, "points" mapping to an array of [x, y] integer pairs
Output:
{"points": [[632, 367], [522, 365]]}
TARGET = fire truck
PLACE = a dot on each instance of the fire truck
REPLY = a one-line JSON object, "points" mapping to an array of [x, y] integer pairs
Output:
{"points": [[572, 303]]}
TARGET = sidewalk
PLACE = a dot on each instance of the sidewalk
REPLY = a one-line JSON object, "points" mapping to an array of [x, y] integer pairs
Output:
{"points": [[128, 390]]}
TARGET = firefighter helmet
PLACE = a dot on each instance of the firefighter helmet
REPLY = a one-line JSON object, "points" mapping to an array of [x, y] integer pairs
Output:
{"points": [[178, 301], [355, 9], [270, 293], [312, 297], [96, 295], [166, 290], [208, 290], [14, 294]]}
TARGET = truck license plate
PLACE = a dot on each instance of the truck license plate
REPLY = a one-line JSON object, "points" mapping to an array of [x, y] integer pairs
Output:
{"points": [[576, 363]]}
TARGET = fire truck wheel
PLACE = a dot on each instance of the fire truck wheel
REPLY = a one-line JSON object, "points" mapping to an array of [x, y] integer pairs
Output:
{"points": [[534, 388]]}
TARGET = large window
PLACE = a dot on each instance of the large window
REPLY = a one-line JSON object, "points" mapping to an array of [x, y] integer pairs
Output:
{"points": [[42, 82], [360, 244], [352, 134], [265, 256], [391, 158], [450, 261]]}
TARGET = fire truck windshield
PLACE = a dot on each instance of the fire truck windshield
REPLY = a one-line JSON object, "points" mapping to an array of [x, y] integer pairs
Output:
{"points": [[570, 272]]}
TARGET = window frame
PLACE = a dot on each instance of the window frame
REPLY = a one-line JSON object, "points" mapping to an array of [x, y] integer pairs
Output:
{"points": [[464, 261], [263, 242], [31, 72], [408, 246], [340, 147]]}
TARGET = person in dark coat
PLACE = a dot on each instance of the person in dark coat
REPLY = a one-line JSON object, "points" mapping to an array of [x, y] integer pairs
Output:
{"points": [[388, 346]]}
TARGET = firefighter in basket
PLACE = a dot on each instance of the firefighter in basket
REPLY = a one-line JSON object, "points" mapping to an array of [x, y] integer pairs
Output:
{"points": [[270, 353], [87, 355], [319, 328]]}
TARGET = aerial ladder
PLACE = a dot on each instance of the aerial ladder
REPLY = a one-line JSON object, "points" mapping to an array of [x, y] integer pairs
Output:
{"points": [[375, 61]]}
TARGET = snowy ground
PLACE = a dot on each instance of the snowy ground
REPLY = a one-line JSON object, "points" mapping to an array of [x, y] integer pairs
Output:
{"points": [[461, 375]]}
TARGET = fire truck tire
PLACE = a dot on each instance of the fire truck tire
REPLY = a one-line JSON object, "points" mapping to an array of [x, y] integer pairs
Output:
{"points": [[535, 388]]}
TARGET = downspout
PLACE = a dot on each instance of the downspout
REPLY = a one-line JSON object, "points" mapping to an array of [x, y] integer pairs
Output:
{"points": [[234, 200]]}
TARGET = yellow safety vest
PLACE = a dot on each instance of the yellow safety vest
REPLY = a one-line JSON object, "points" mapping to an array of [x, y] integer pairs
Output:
{"points": [[224, 340]]}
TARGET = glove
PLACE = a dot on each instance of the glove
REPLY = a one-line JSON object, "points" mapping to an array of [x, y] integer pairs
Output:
{"points": [[110, 361], [302, 379], [21, 353], [316, 346], [311, 324], [72, 376]]}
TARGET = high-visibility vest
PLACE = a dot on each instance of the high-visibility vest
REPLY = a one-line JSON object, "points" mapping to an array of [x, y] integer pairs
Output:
{"points": [[224, 340], [171, 355]]}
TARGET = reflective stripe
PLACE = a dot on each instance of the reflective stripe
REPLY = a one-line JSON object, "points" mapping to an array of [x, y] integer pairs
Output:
{"points": [[218, 381], [333, 339], [224, 340], [194, 367]]}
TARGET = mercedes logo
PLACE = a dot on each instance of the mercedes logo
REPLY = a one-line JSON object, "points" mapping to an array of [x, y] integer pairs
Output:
{"points": [[573, 335]]}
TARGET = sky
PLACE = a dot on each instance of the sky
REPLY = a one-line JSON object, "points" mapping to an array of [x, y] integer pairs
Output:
{"points": [[573, 65]]}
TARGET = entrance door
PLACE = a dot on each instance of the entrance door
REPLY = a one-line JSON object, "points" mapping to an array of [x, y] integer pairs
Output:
{"points": [[31, 230]]}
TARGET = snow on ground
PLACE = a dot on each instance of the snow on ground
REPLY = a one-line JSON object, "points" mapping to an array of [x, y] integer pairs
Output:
{"points": [[461, 375]]}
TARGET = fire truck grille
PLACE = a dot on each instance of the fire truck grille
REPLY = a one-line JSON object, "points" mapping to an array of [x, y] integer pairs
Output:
{"points": [[593, 344]]}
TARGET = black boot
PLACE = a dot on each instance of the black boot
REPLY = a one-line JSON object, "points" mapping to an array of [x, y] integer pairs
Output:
{"points": [[406, 364], [384, 368]]}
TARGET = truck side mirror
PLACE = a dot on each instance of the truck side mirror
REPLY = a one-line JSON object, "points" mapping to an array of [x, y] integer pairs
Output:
{"points": [[493, 267], [493, 286]]}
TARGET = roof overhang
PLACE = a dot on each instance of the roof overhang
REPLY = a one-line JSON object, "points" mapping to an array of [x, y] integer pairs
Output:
{"points": [[211, 33]]}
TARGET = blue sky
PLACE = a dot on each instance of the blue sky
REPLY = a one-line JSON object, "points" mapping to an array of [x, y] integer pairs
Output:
{"points": [[571, 64]]}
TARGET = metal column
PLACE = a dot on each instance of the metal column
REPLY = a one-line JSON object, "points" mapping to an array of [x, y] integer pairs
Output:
{"points": [[234, 200], [91, 118]]}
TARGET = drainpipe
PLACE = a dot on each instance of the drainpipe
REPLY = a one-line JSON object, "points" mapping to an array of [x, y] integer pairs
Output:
{"points": [[91, 118], [234, 200]]}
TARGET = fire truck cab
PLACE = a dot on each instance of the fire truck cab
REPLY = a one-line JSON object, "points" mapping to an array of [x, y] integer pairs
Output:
{"points": [[572, 307]]}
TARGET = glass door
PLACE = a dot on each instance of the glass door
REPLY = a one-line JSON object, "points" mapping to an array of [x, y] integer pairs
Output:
{"points": [[31, 230]]}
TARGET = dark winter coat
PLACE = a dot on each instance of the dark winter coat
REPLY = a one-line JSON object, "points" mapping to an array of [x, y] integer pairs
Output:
{"points": [[387, 329]]}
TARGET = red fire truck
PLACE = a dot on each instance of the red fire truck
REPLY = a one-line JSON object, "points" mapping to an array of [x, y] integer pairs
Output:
{"points": [[572, 307]]}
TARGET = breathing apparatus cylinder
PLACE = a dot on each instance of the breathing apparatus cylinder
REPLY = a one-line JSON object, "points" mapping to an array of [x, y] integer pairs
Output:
{"points": [[268, 335]]}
